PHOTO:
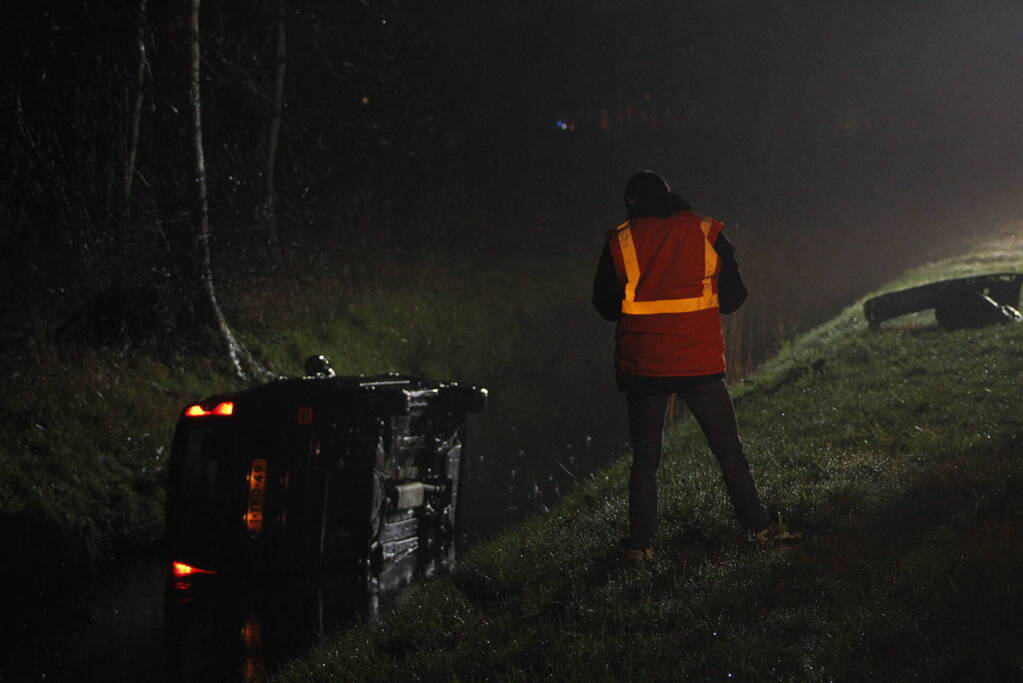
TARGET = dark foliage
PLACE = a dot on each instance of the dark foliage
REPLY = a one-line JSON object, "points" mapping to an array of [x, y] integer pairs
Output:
{"points": [[94, 259]]}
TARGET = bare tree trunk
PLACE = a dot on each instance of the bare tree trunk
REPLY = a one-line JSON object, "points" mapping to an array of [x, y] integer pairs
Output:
{"points": [[136, 117], [244, 364], [273, 135]]}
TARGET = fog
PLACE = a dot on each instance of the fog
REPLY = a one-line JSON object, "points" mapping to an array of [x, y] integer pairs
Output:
{"points": [[839, 141], [842, 141]]}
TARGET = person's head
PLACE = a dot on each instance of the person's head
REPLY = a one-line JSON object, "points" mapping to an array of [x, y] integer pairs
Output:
{"points": [[645, 189], [647, 193]]}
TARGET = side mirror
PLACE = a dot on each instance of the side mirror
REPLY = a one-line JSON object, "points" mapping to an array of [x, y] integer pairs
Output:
{"points": [[318, 366]]}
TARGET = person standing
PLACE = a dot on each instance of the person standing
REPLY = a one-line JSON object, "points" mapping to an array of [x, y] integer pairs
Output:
{"points": [[665, 276]]}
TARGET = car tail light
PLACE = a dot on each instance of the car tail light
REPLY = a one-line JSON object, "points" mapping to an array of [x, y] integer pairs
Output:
{"points": [[180, 569], [222, 408]]}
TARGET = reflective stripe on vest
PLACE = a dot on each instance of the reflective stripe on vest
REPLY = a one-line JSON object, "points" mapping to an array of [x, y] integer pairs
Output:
{"points": [[709, 299]]}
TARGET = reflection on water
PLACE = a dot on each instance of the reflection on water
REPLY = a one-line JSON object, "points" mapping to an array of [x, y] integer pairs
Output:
{"points": [[241, 635], [516, 467], [121, 629], [504, 489]]}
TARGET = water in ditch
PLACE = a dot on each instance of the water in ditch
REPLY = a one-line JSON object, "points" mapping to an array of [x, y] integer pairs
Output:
{"points": [[121, 627]]}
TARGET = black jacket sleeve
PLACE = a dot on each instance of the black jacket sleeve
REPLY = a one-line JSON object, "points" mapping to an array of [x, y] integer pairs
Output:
{"points": [[732, 290], [607, 291]]}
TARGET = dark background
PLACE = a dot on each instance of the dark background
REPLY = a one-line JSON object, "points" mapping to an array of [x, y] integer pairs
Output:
{"points": [[840, 141], [855, 135]]}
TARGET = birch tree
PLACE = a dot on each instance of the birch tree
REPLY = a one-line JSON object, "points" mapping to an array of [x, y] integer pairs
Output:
{"points": [[134, 115], [245, 365], [273, 134]]}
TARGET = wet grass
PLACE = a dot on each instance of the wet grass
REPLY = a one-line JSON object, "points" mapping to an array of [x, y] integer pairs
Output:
{"points": [[85, 433], [462, 319], [83, 449], [897, 452]]}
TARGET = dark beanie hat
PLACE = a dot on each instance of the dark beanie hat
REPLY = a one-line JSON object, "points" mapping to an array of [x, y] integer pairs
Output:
{"points": [[645, 186]]}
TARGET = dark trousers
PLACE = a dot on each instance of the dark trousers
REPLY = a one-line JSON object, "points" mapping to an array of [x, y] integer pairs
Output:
{"points": [[711, 405]]}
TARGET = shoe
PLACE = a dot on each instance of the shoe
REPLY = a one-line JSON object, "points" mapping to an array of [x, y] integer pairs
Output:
{"points": [[775, 533], [637, 557]]}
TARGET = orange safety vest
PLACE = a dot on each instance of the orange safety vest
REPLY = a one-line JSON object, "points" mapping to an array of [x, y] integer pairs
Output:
{"points": [[670, 324]]}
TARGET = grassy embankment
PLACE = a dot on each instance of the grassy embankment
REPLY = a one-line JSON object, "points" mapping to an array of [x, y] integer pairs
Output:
{"points": [[897, 452], [85, 433]]}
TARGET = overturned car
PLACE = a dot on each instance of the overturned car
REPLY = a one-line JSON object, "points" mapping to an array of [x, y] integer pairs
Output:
{"points": [[318, 474], [958, 303]]}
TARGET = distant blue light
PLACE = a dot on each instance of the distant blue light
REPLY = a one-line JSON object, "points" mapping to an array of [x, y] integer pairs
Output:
{"points": [[561, 124]]}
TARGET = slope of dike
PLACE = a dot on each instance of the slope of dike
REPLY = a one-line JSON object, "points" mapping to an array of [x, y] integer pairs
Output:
{"points": [[898, 453], [85, 432]]}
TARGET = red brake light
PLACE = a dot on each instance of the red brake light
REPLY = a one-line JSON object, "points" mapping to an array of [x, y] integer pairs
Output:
{"points": [[181, 569], [224, 408]]}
